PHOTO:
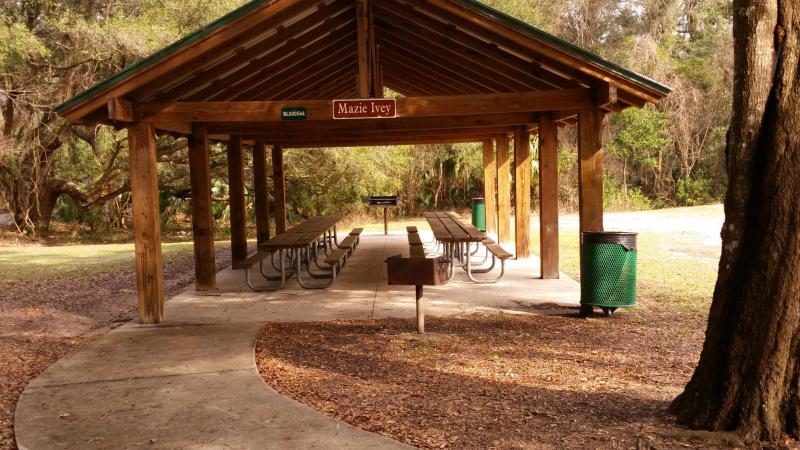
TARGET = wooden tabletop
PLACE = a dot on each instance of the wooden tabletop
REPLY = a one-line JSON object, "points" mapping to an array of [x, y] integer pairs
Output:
{"points": [[447, 227], [302, 235]]}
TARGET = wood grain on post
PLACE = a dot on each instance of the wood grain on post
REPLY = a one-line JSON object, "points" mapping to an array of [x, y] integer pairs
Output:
{"points": [[590, 176], [548, 197], [490, 185], [590, 168], [503, 190], [522, 193], [146, 223], [237, 201], [364, 69], [420, 310], [280, 189], [260, 191], [202, 221]]}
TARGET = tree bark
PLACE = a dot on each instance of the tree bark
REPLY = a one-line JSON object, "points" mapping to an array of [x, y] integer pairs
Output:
{"points": [[747, 378]]}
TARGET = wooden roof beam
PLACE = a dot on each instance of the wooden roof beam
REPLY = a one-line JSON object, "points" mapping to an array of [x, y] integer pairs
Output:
{"points": [[315, 75], [314, 135], [472, 70], [334, 87], [276, 65], [290, 72], [364, 142], [511, 38], [405, 88], [495, 59], [432, 74], [452, 105], [379, 125], [191, 57], [276, 46], [342, 70], [492, 36]]}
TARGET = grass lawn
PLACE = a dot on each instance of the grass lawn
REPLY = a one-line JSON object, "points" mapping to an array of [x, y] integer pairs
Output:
{"points": [[678, 252], [40, 263]]}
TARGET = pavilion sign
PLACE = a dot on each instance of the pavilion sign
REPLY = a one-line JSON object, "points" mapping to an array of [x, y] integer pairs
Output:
{"points": [[380, 108]]}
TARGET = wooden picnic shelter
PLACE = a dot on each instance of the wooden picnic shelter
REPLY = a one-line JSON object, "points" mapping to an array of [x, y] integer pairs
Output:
{"points": [[267, 77]]}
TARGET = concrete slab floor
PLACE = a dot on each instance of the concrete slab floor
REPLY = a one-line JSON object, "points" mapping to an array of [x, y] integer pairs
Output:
{"points": [[192, 381]]}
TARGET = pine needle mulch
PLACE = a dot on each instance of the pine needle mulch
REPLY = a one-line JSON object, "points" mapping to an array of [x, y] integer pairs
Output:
{"points": [[44, 320], [499, 381]]}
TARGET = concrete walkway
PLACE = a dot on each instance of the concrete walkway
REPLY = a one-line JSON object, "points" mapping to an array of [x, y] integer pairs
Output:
{"points": [[192, 382]]}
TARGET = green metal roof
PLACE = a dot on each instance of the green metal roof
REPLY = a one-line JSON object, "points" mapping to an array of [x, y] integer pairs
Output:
{"points": [[473, 5]]}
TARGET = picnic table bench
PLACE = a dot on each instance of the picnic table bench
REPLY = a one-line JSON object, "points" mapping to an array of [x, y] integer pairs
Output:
{"points": [[457, 238], [298, 248]]}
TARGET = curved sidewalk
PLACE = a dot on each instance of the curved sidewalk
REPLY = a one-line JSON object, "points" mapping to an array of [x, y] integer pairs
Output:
{"points": [[192, 382]]}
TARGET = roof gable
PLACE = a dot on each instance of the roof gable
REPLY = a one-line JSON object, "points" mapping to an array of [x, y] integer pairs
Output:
{"points": [[307, 49]]}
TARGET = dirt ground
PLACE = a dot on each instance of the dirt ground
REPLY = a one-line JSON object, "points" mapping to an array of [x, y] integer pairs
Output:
{"points": [[498, 382], [42, 321]]}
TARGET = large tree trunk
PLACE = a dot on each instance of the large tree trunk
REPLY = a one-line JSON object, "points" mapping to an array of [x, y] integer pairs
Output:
{"points": [[747, 377]]}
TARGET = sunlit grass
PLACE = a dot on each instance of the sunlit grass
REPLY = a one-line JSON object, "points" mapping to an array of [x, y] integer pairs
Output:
{"points": [[674, 270], [32, 263]]}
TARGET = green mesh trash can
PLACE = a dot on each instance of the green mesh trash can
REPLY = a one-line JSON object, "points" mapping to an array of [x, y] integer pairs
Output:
{"points": [[479, 213], [608, 271]]}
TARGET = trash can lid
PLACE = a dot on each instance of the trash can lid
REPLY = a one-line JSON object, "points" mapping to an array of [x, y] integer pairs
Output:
{"points": [[626, 239]]}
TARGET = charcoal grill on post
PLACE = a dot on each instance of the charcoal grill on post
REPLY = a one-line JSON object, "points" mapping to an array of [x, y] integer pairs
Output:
{"points": [[418, 272], [384, 202]]}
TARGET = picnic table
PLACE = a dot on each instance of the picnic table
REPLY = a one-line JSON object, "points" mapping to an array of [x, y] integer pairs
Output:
{"points": [[457, 238], [298, 248]]}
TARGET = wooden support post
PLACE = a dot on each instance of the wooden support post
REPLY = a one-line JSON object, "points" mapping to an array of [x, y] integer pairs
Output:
{"points": [[590, 176], [237, 202], [420, 310], [202, 221], [280, 189], [548, 196], [503, 190], [260, 191], [590, 168], [146, 223], [522, 192], [364, 56], [490, 185]]}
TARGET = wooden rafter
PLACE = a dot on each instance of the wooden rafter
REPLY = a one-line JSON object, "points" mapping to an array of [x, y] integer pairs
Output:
{"points": [[246, 62], [335, 74], [523, 44], [252, 81], [192, 57], [405, 65], [466, 69], [405, 87], [330, 67], [494, 59]]}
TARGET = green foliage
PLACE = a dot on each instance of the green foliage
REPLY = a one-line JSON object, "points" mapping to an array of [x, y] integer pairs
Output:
{"points": [[694, 192], [640, 134], [672, 154], [615, 198], [17, 46]]}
